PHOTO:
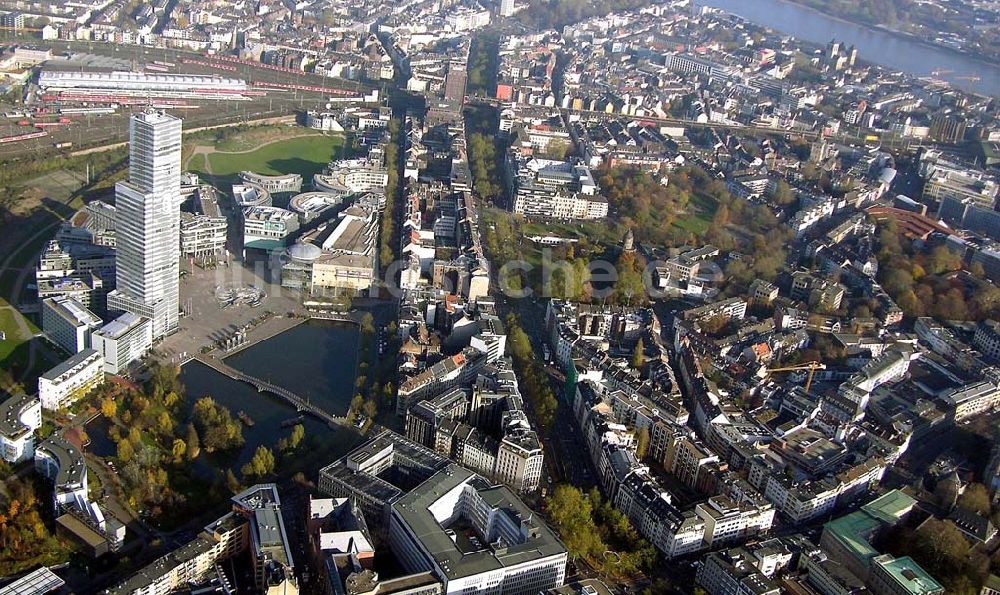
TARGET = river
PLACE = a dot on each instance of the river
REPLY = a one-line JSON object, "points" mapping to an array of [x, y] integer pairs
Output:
{"points": [[316, 360], [880, 47]]}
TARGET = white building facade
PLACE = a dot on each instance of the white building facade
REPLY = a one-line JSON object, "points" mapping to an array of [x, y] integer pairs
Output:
{"points": [[71, 380], [148, 223], [20, 416], [68, 323], [123, 341]]}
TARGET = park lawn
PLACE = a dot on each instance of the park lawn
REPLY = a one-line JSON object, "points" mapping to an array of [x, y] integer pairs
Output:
{"points": [[599, 233], [245, 140], [13, 349], [304, 155], [9, 327], [196, 163], [701, 210]]}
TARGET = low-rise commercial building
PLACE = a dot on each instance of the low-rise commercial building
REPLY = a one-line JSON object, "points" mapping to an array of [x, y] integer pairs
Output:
{"points": [[71, 380], [351, 176], [474, 536], [274, 184], [268, 228], [204, 230], [123, 341], [253, 527], [20, 416], [68, 323]]}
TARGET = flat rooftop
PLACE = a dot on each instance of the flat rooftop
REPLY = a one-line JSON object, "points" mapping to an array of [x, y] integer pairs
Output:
{"points": [[73, 311], [910, 576], [72, 465], [36, 582], [10, 415], [77, 359], [120, 326], [414, 510]]}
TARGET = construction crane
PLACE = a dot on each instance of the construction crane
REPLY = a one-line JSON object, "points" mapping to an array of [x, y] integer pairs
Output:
{"points": [[811, 366]]}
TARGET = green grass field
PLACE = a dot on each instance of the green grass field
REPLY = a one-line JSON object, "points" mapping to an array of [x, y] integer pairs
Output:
{"points": [[9, 327], [700, 218], [304, 155], [196, 163], [604, 232]]}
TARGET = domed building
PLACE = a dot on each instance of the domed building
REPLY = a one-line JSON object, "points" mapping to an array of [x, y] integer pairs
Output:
{"points": [[296, 272]]}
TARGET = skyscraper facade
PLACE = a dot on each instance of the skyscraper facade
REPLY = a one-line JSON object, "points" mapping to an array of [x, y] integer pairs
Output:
{"points": [[148, 222], [506, 8]]}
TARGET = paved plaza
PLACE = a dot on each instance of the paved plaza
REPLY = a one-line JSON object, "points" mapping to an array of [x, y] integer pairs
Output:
{"points": [[206, 320]]}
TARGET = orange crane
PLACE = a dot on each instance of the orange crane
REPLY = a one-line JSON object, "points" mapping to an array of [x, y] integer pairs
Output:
{"points": [[811, 366]]}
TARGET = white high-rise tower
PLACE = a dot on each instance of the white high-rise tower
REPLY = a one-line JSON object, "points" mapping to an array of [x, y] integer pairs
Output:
{"points": [[148, 222], [506, 8]]}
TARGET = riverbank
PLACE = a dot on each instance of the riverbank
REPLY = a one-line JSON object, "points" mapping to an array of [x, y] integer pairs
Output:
{"points": [[884, 46], [883, 28]]}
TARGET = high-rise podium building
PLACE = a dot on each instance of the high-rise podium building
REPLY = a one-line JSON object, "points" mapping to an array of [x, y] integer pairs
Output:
{"points": [[148, 223]]}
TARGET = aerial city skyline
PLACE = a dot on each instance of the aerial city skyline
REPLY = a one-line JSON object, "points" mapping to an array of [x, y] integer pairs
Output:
{"points": [[512, 297]]}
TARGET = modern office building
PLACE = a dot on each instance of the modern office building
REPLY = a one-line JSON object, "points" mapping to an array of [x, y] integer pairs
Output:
{"points": [[148, 225], [944, 183], [123, 341], [254, 528], [273, 184], [250, 194], [54, 263], [506, 8], [86, 288], [337, 257], [349, 176], [204, 229], [310, 205], [62, 464], [475, 537], [378, 472], [68, 323], [901, 576], [268, 228], [71, 380], [554, 189], [20, 416]]}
